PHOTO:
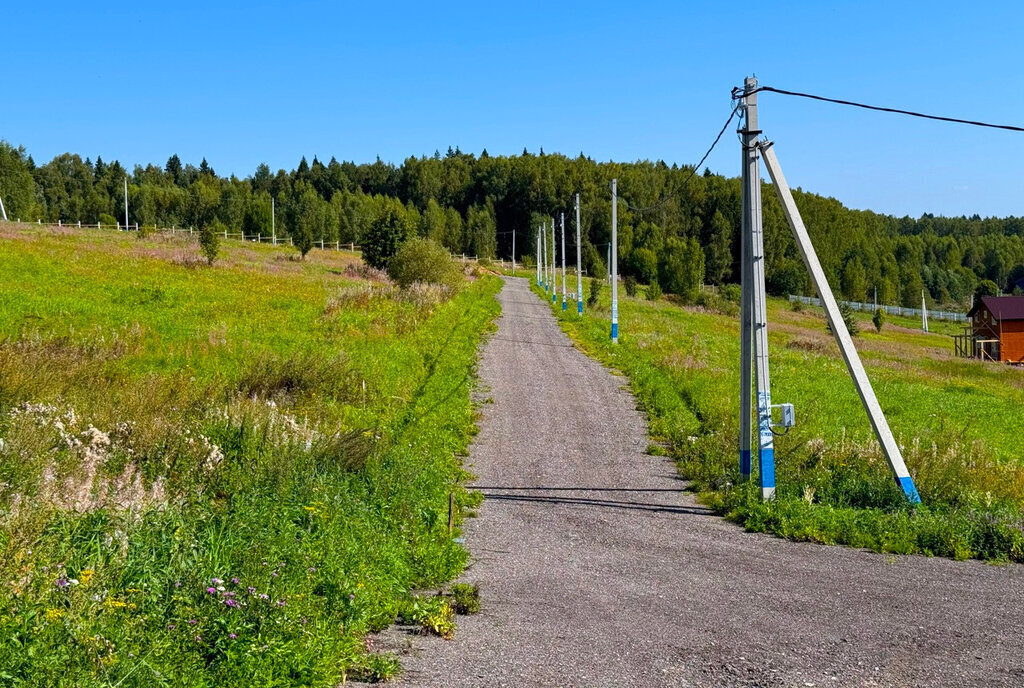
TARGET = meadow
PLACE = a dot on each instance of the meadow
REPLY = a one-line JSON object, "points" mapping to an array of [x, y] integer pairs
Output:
{"points": [[226, 475], [958, 423]]}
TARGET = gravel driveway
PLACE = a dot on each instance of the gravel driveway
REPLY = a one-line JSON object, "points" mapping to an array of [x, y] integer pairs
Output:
{"points": [[595, 569]]}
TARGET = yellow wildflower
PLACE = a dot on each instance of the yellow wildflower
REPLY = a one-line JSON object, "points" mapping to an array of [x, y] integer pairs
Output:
{"points": [[53, 614], [85, 576]]}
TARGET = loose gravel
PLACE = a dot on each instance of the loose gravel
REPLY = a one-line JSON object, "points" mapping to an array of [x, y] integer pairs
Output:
{"points": [[596, 569]]}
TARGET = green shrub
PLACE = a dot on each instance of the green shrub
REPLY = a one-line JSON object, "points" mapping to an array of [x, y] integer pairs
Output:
{"points": [[595, 293], [108, 220], [209, 240], [465, 598], [386, 233], [423, 260], [631, 284], [653, 291], [878, 319], [846, 311]]}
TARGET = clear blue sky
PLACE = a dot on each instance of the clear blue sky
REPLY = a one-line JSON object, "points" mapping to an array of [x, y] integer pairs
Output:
{"points": [[255, 82]]}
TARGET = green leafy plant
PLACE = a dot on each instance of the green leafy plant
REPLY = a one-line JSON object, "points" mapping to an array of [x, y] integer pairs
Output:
{"points": [[424, 260], [878, 319], [465, 598], [209, 241]]}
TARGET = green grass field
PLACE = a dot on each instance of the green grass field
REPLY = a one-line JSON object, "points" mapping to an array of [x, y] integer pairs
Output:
{"points": [[958, 422], [221, 476]]}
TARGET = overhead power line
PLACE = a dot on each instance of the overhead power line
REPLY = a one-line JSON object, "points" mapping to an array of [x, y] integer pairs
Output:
{"points": [[693, 172], [879, 108]]}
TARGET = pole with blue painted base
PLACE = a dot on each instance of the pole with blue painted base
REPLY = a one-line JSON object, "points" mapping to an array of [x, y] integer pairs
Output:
{"points": [[544, 254], [579, 262], [561, 219], [614, 251]]}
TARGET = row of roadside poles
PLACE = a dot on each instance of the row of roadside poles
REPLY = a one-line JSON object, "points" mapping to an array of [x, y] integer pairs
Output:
{"points": [[547, 262], [754, 368]]}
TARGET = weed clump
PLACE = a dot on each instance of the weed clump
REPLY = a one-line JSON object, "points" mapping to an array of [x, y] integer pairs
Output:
{"points": [[423, 260], [465, 598]]}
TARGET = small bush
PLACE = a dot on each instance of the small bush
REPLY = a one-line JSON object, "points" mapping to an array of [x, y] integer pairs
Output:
{"points": [[465, 598], [851, 321], [423, 260], [630, 284], [878, 319], [595, 293], [653, 291], [731, 292], [209, 241], [108, 220], [796, 306]]}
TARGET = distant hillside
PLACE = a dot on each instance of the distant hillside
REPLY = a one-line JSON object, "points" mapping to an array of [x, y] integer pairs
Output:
{"points": [[473, 204]]}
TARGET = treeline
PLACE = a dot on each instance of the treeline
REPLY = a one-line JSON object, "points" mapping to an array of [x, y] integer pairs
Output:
{"points": [[675, 226]]}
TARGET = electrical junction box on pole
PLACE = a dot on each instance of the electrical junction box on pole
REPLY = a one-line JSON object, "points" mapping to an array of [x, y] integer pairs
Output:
{"points": [[788, 417]]}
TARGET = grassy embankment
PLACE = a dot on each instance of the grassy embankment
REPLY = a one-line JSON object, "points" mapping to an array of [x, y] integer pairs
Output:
{"points": [[221, 476], [958, 422]]}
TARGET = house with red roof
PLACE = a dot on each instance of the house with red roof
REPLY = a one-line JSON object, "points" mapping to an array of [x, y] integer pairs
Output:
{"points": [[996, 332]]}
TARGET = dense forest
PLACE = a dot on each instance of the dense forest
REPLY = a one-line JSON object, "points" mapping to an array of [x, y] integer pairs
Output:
{"points": [[668, 216]]}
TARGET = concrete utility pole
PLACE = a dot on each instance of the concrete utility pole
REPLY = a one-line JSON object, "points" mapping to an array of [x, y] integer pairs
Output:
{"points": [[608, 263], [924, 313], [126, 204], [562, 220], [579, 263], [554, 263], [538, 257], [273, 224], [513, 253], [758, 312], [544, 253], [842, 335], [3, 211], [614, 250]]}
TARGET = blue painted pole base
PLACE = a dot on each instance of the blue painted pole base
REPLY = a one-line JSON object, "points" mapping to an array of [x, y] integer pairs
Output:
{"points": [[554, 298], [615, 333], [745, 465], [579, 307], [564, 305], [766, 472], [909, 489]]}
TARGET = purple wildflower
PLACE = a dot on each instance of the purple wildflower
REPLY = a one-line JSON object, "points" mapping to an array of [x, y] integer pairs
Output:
{"points": [[280, 603], [264, 596], [216, 581], [231, 603], [62, 582], [234, 581], [192, 622], [170, 627], [177, 584], [351, 595], [251, 590], [212, 591], [229, 593], [312, 569], [232, 636], [274, 574]]}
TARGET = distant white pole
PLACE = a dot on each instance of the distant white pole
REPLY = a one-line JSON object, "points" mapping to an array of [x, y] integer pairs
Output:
{"points": [[273, 225], [554, 263], [924, 313], [562, 219], [544, 255], [579, 263], [538, 257], [513, 253], [126, 204], [615, 261], [2, 210]]}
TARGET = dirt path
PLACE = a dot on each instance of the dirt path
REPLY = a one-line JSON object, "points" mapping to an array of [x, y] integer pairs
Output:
{"points": [[613, 577]]}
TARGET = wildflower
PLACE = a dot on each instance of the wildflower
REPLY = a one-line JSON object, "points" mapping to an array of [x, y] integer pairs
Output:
{"points": [[170, 627], [264, 596], [212, 591], [221, 588], [311, 569], [216, 581], [251, 590], [73, 581], [53, 614], [280, 603], [351, 595], [231, 603], [232, 636], [86, 576], [62, 582], [192, 622], [229, 594], [234, 581]]}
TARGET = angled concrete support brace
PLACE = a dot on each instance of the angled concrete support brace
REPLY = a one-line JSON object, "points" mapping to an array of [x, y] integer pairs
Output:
{"points": [[835, 321]]}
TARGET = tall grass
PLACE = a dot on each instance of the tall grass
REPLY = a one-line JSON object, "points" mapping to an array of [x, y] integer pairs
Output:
{"points": [[220, 476], [957, 422]]}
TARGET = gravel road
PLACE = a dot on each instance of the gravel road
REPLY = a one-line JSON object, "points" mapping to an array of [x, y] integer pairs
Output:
{"points": [[595, 569]]}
